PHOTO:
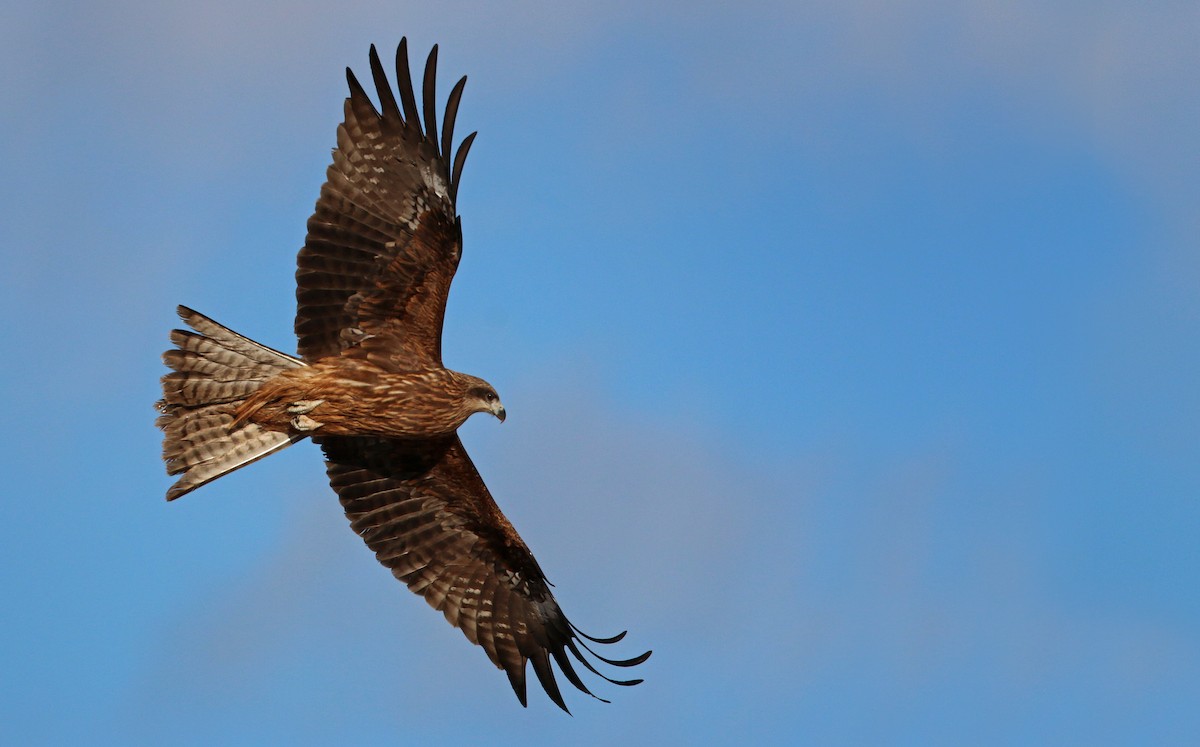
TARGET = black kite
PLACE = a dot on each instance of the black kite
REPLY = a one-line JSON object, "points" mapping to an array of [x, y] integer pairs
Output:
{"points": [[370, 388]]}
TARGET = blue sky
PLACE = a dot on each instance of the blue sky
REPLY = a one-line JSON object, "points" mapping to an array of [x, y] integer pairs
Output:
{"points": [[849, 350]]}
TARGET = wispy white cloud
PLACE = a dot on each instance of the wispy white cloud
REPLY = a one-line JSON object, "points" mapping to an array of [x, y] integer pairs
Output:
{"points": [[1109, 75], [1114, 72]]}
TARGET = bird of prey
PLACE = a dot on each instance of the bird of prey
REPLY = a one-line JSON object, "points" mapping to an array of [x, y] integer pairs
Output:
{"points": [[369, 386]]}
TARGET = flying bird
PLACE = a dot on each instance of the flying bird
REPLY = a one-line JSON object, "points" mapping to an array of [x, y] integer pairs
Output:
{"points": [[369, 386]]}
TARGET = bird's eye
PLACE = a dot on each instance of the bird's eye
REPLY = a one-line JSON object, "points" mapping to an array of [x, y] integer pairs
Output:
{"points": [[489, 397]]}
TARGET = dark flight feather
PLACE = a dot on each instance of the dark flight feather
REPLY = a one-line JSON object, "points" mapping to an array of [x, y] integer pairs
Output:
{"points": [[429, 88]]}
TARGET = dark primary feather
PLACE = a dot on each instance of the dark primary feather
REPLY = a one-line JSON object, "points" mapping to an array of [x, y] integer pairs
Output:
{"points": [[404, 81], [451, 115], [384, 240], [423, 509], [429, 88]]}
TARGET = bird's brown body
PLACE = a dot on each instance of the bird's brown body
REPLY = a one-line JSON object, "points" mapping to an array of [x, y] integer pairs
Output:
{"points": [[369, 386], [346, 396]]}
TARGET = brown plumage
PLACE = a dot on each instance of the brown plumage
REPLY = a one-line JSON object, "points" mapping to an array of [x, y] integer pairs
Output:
{"points": [[370, 388]]}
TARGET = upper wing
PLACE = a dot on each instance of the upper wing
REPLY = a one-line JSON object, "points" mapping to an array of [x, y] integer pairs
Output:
{"points": [[424, 510], [385, 239]]}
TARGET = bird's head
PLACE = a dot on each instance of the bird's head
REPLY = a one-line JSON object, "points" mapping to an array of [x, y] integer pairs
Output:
{"points": [[481, 397]]}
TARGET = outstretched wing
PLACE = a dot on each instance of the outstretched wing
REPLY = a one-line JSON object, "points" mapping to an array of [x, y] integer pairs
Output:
{"points": [[424, 510], [385, 239]]}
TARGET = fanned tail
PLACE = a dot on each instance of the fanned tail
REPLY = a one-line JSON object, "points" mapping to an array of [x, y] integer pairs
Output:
{"points": [[215, 370]]}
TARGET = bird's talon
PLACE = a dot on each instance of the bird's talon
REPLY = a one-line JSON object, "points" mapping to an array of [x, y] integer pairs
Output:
{"points": [[303, 407], [305, 423]]}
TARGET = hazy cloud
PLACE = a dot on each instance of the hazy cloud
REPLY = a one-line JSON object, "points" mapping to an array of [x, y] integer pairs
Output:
{"points": [[1016, 576], [816, 574]]}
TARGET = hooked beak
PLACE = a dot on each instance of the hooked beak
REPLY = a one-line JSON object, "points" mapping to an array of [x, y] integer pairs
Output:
{"points": [[499, 413]]}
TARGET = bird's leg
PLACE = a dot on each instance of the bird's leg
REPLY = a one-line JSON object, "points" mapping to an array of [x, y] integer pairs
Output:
{"points": [[299, 412]]}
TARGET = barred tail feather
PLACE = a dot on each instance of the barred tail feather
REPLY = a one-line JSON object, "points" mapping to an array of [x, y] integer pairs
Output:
{"points": [[214, 370]]}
